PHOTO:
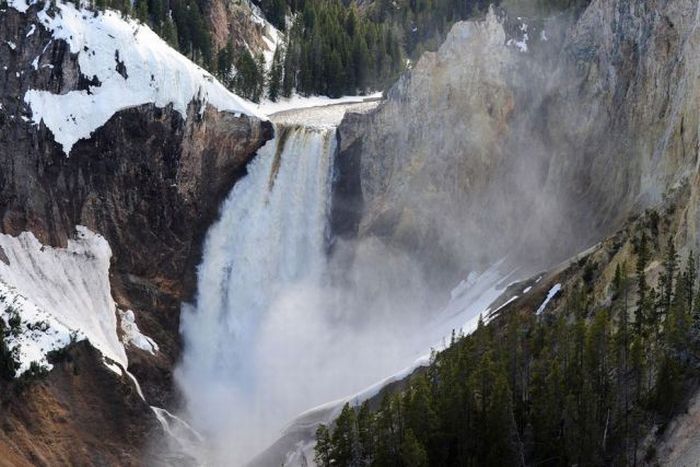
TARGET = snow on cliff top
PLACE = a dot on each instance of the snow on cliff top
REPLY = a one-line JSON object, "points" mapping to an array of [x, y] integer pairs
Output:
{"points": [[155, 73]]}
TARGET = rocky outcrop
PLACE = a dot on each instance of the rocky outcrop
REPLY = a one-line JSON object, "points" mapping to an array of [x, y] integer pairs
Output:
{"points": [[240, 22], [484, 150], [82, 413], [148, 180]]}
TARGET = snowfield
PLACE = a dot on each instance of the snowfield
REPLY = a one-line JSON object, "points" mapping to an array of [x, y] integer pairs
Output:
{"points": [[58, 294], [153, 72]]}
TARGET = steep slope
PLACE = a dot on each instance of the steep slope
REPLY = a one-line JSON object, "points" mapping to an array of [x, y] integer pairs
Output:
{"points": [[574, 366], [535, 135], [244, 25], [149, 179], [82, 413], [103, 126]]}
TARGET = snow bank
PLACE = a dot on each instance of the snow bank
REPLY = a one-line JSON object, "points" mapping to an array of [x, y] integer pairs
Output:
{"points": [[131, 335], [38, 332], [155, 73], [57, 292], [550, 295], [296, 102]]}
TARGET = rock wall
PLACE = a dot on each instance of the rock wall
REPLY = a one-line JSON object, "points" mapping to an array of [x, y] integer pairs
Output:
{"points": [[82, 413], [240, 22], [484, 150], [148, 180]]}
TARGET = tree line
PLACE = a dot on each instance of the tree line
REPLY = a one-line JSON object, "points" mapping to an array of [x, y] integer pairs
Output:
{"points": [[581, 386], [330, 47]]}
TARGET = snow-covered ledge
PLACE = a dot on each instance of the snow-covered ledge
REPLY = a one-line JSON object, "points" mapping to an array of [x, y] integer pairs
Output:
{"points": [[134, 66]]}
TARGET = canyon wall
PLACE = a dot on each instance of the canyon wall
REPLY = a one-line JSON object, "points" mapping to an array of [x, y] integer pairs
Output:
{"points": [[150, 180], [529, 137]]}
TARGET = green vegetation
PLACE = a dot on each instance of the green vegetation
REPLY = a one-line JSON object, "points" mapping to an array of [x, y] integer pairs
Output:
{"points": [[581, 386], [181, 23], [8, 358], [333, 50], [331, 47]]}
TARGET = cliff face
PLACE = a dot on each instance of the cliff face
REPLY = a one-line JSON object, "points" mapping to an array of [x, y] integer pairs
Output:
{"points": [[149, 180], [531, 137], [82, 413], [242, 23]]}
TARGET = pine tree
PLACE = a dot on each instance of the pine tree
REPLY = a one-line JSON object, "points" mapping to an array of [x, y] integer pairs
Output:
{"points": [[225, 64], [170, 32], [344, 439], [276, 70], [387, 448], [248, 81], [8, 358], [322, 450], [365, 435], [142, 10], [690, 278], [670, 265], [413, 453], [642, 286]]}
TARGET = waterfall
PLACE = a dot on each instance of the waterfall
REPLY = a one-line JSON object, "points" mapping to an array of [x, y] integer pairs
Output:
{"points": [[270, 335], [271, 236]]}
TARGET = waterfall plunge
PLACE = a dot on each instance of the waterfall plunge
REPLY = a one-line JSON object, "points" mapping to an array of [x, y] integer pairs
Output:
{"points": [[271, 336], [269, 240]]}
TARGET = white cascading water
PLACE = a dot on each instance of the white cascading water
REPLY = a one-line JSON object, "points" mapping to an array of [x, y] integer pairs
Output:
{"points": [[270, 336], [271, 235]]}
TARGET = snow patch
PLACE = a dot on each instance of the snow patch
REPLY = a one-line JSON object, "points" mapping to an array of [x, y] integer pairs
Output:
{"points": [[550, 295], [133, 336], [59, 294], [492, 314], [297, 101], [36, 333], [157, 74], [520, 44]]}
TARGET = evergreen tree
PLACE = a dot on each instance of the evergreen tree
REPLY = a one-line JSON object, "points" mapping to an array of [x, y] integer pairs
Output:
{"points": [[170, 32], [365, 435], [8, 358], [570, 388], [142, 10], [276, 70], [225, 64], [249, 79], [670, 266], [322, 450], [642, 287], [689, 280], [412, 451], [344, 439]]}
